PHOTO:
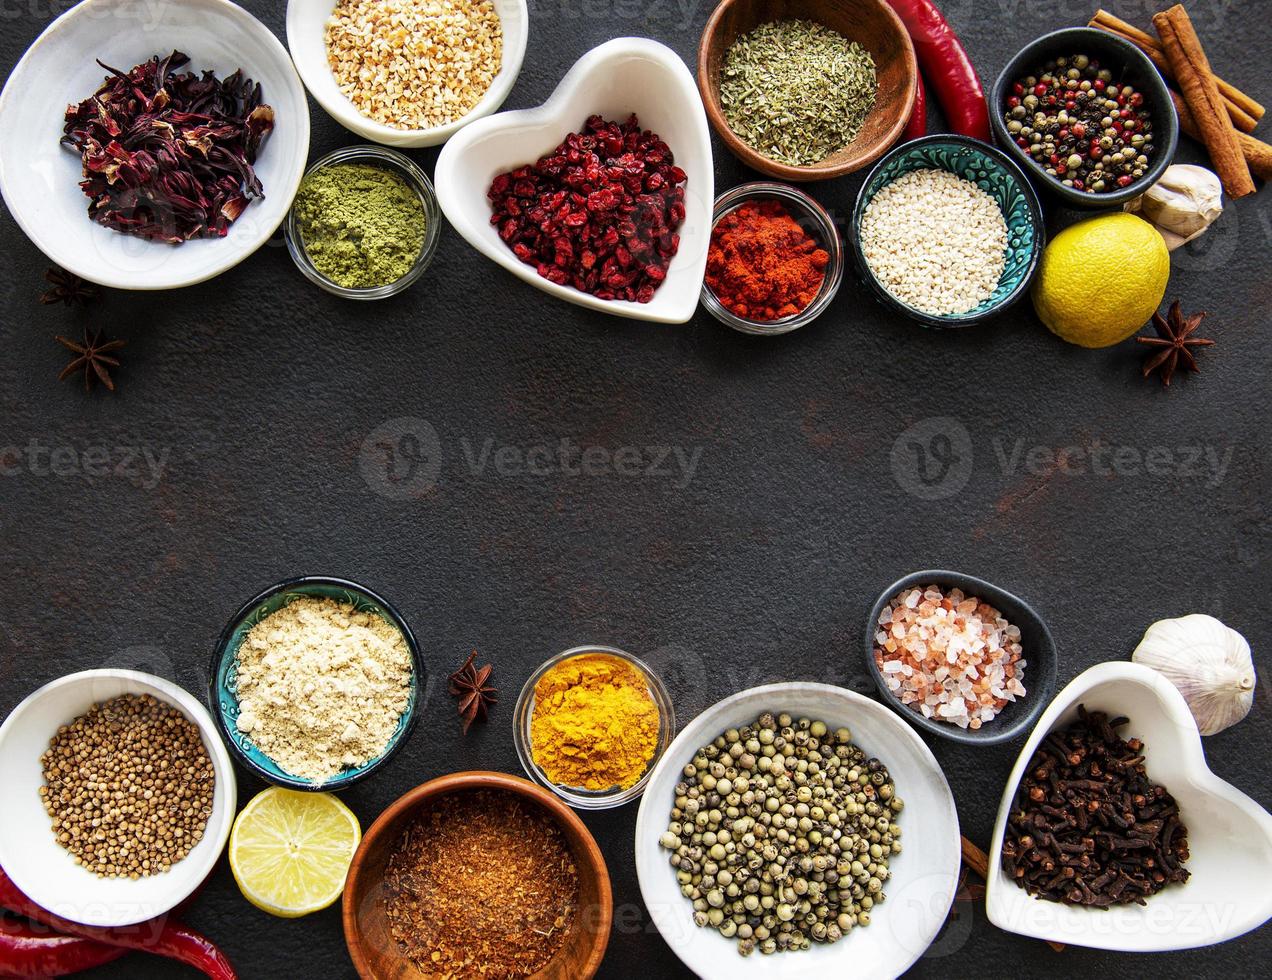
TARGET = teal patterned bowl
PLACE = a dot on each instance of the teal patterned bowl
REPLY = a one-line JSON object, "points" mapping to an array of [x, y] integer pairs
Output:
{"points": [[225, 658], [992, 171]]}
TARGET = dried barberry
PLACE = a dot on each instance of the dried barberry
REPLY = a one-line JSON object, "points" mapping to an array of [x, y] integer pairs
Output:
{"points": [[599, 213]]}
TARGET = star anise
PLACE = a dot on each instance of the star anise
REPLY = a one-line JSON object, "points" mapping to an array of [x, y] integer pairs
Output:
{"points": [[68, 288], [471, 684], [1174, 337], [93, 358]]}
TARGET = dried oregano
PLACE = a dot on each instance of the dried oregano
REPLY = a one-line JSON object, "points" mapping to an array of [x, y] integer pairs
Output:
{"points": [[797, 91]]}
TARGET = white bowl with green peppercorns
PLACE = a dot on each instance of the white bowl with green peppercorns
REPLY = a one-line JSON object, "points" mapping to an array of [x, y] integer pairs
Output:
{"points": [[29, 851], [921, 878]]}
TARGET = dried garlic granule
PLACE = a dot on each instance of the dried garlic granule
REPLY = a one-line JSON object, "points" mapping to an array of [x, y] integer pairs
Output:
{"points": [[414, 64]]}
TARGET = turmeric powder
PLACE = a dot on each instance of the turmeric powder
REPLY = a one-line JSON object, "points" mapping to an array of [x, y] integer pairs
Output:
{"points": [[595, 724]]}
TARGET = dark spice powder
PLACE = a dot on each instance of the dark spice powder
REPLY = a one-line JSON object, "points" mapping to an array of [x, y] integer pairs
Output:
{"points": [[482, 884]]}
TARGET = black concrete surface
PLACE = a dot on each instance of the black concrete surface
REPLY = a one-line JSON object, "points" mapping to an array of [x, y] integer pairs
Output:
{"points": [[796, 477]]}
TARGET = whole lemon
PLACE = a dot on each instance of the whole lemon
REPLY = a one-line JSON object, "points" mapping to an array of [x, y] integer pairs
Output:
{"points": [[1100, 280]]}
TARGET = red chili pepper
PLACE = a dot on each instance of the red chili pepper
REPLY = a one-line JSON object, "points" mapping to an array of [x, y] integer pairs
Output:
{"points": [[917, 126], [163, 938], [948, 69], [31, 951]]}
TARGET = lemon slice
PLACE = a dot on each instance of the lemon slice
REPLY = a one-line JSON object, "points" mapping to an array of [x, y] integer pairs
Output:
{"points": [[290, 851]]}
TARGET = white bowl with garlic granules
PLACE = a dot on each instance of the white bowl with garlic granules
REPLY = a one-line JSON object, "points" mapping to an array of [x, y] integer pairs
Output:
{"points": [[315, 683], [383, 68]]}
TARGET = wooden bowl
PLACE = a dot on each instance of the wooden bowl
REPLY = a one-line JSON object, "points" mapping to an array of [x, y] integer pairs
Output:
{"points": [[871, 23], [374, 951]]}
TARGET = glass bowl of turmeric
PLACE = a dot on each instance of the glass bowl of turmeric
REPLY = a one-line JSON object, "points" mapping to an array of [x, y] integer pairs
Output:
{"points": [[775, 260], [590, 724]]}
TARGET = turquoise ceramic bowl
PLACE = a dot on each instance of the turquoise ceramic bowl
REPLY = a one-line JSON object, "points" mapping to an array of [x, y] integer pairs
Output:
{"points": [[992, 171], [224, 660]]}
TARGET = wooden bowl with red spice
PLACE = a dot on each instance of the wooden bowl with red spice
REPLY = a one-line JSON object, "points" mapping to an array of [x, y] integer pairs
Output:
{"points": [[871, 23], [454, 837]]}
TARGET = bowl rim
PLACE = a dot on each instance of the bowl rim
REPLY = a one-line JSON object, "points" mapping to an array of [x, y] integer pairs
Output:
{"points": [[221, 652], [482, 779], [647, 833], [817, 171], [1080, 199], [734, 198], [105, 276], [222, 763], [1043, 663], [1036, 220], [414, 175], [347, 115], [1002, 897], [582, 799]]}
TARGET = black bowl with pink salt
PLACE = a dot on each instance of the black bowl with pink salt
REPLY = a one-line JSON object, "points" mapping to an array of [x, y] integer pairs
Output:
{"points": [[959, 657]]}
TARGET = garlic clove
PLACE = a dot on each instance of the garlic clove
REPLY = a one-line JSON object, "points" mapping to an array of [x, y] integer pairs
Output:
{"points": [[1182, 204], [1208, 662]]}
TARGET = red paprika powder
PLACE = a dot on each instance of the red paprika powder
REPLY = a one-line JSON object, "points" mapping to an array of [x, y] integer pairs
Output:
{"points": [[762, 265]]}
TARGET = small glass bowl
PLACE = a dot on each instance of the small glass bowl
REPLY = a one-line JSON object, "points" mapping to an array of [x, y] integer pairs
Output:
{"points": [[389, 160], [815, 220], [584, 799]]}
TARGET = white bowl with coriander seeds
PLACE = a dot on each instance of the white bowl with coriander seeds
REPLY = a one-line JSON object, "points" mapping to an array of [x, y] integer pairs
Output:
{"points": [[354, 58], [921, 879], [45, 869]]}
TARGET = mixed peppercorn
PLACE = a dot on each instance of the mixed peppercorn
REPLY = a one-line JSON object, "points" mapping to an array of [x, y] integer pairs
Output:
{"points": [[598, 213], [1080, 126]]}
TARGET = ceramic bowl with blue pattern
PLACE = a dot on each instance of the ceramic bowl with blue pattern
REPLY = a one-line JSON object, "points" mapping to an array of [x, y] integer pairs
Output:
{"points": [[225, 705], [993, 172]]}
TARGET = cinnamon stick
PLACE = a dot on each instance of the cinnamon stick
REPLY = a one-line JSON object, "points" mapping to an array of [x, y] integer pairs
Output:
{"points": [[1258, 155], [978, 861], [1188, 61], [1241, 119], [1247, 108]]}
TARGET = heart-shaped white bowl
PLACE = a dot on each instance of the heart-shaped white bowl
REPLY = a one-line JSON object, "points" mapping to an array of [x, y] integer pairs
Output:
{"points": [[626, 75], [40, 177], [923, 876], [306, 37], [29, 853], [1229, 834]]}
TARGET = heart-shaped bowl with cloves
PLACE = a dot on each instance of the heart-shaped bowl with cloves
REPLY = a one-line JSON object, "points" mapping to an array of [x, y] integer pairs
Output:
{"points": [[1228, 852], [621, 78]]}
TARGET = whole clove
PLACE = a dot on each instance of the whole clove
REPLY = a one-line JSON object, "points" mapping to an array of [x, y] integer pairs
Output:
{"points": [[1087, 826]]}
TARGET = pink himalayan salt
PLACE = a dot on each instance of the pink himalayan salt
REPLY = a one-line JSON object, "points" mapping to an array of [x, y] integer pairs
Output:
{"points": [[949, 657]]}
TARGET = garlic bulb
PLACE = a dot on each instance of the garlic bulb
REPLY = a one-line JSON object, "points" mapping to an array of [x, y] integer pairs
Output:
{"points": [[1209, 663], [1182, 205]]}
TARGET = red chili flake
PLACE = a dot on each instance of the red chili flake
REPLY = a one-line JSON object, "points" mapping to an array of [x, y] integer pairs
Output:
{"points": [[599, 213], [168, 157]]}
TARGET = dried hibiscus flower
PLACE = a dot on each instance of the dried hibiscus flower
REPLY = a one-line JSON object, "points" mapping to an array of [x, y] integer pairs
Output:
{"points": [[168, 157]]}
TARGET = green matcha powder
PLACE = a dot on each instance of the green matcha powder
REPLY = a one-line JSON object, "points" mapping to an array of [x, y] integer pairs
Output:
{"points": [[363, 226]]}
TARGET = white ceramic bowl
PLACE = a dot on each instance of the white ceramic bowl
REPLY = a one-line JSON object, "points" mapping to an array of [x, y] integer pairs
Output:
{"points": [[306, 37], [626, 75], [41, 867], [1229, 834], [924, 875], [40, 177]]}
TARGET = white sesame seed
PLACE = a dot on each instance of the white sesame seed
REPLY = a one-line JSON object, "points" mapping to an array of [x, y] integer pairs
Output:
{"points": [[935, 241]]}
